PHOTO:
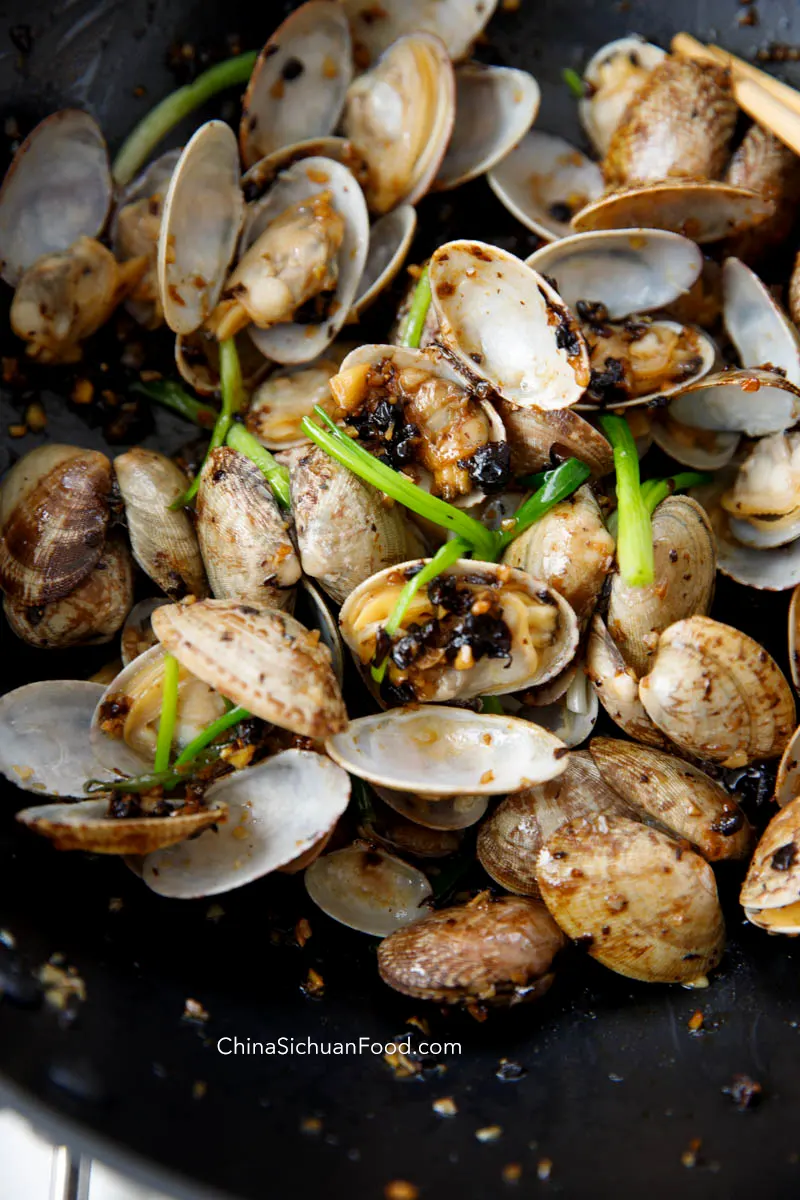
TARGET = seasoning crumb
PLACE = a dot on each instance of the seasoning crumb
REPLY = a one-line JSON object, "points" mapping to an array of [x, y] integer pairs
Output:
{"points": [[695, 1022], [115, 904], [489, 1133], [544, 1168], [83, 392], [421, 1024], [215, 912], [744, 1092], [17, 431], [311, 1125], [302, 931], [314, 985], [402, 1066], [689, 1156], [194, 1011], [401, 1189], [511, 5], [35, 417], [63, 986], [199, 1089], [445, 1107], [512, 1172]]}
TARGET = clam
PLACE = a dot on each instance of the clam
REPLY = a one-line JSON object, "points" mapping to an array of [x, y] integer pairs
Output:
{"points": [[640, 902], [758, 328], [683, 585], [243, 536], [134, 233], [266, 827], [390, 238], [495, 108], [477, 629], [202, 216], [794, 637], [641, 359], [680, 124], [299, 82], [399, 116], [432, 417], [571, 716], [759, 552], [717, 694], [537, 439], [441, 752], [767, 482], [674, 795], [457, 22], [570, 549], [446, 813], [625, 270], [612, 79], [701, 449], [787, 781], [257, 657], [771, 890], [91, 826], [544, 181], [368, 889], [753, 402], [510, 839], [137, 632], [53, 518], [764, 164], [65, 297], [92, 612], [197, 360], [400, 835], [258, 178], [278, 405], [162, 538], [617, 686], [703, 210], [314, 612], [44, 737], [57, 190], [490, 951], [329, 503], [506, 327], [794, 291]]}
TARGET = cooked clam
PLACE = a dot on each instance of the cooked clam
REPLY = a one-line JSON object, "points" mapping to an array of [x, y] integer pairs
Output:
{"points": [[787, 780], [703, 210], [243, 536], [135, 230], [44, 737], [701, 449], [765, 165], [538, 438], [612, 79], [753, 402], [446, 813], [368, 889], [767, 482], [477, 629], [457, 22], [390, 239], [757, 551], [640, 359], [197, 360], [278, 406], [640, 902], [163, 539], [137, 632], [794, 637], [762, 334], [490, 951], [617, 686], [570, 716], [770, 892], [93, 827], [717, 694], [383, 825], [544, 181]]}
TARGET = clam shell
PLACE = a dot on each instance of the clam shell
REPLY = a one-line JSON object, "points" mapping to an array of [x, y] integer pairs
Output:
{"points": [[266, 827], [440, 751], [536, 438], [570, 726], [614, 75], [299, 82], [758, 328], [243, 536], [390, 239], [197, 360], [700, 449], [495, 108], [675, 796], [683, 585], [87, 826], [626, 270], [666, 359], [144, 197], [767, 483], [718, 694], [497, 951], [640, 902], [278, 406], [764, 164], [787, 781], [703, 210], [367, 889], [57, 189], [315, 614], [457, 22], [752, 402], [258, 178], [44, 737], [770, 892], [259, 658], [773, 569], [436, 812], [53, 518], [137, 632], [163, 540], [506, 327], [200, 226], [617, 686], [406, 838], [794, 637], [544, 181]]}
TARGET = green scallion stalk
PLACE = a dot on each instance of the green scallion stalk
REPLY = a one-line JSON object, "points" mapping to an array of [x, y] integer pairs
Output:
{"points": [[534, 482], [171, 395], [574, 82], [232, 717], [557, 486], [656, 490], [411, 332], [490, 704], [444, 557], [232, 398], [276, 476], [139, 145], [169, 713], [635, 535], [167, 780]]}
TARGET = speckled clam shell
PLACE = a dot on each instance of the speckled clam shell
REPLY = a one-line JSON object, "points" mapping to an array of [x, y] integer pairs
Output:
{"points": [[771, 892], [87, 826], [368, 890], [617, 686]]}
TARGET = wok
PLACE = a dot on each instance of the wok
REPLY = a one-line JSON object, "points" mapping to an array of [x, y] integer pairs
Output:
{"points": [[612, 1087]]}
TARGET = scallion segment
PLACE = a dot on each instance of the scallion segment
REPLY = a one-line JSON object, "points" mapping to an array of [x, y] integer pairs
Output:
{"points": [[139, 145], [635, 532], [232, 398], [171, 395], [656, 490], [167, 780], [169, 713], [232, 717], [491, 705], [558, 485], [574, 82], [411, 332], [276, 476]]}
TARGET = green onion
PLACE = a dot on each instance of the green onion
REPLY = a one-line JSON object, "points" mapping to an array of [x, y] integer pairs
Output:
{"points": [[171, 395], [656, 490], [232, 717], [635, 537], [154, 779], [232, 397], [411, 332], [444, 557], [534, 482], [139, 145], [169, 713], [557, 486], [363, 464], [276, 476], [574, 82], [490, 704]]}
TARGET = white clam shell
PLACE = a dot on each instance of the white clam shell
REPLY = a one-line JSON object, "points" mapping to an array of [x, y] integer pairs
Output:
{"points": [[278, 405], [656, 366], [87, 826], [752, 402], [44, 737], [441, 751], [266, 827], [456, 22], [757, 326], [368, 889], [787, 781], [258, 178], [613, 81], [436, 812], [390, 239], [703, 450], [770, 569], [540, 176], [704, 210]]}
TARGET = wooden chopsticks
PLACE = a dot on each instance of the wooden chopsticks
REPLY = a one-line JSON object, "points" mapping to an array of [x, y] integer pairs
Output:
{"points": [[773, 104]]}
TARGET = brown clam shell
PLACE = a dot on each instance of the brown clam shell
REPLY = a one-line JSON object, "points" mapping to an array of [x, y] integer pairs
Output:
{"points": [[85, 826]]}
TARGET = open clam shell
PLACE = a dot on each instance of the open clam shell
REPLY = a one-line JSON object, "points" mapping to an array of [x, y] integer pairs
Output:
{"points": [[137, 632], [457, 22], [568, 720], [758, 565], [761, 332], [537, 438], [57, 189], [313, 610], [703, 210], [787, 781], [770, 892], [368, 889], [399, 835], [134, 230], [44, 737], [390, 238], [278, 405], [266, 827], [88, 826], [717, 694], [655, 359], [441, 751], [436, 812], [544, 181], [257, 179], [292, 341], [197, 360], [495, 108], [700, 449], [299, 82], [257, 657], [612, 77], [200, 225], [617, 686], [625, 270], [753, 402], [505, 326], [794, 637]]}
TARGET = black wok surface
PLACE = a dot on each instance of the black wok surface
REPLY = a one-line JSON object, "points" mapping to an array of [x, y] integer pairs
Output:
{"points": [[605, 1079]]}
